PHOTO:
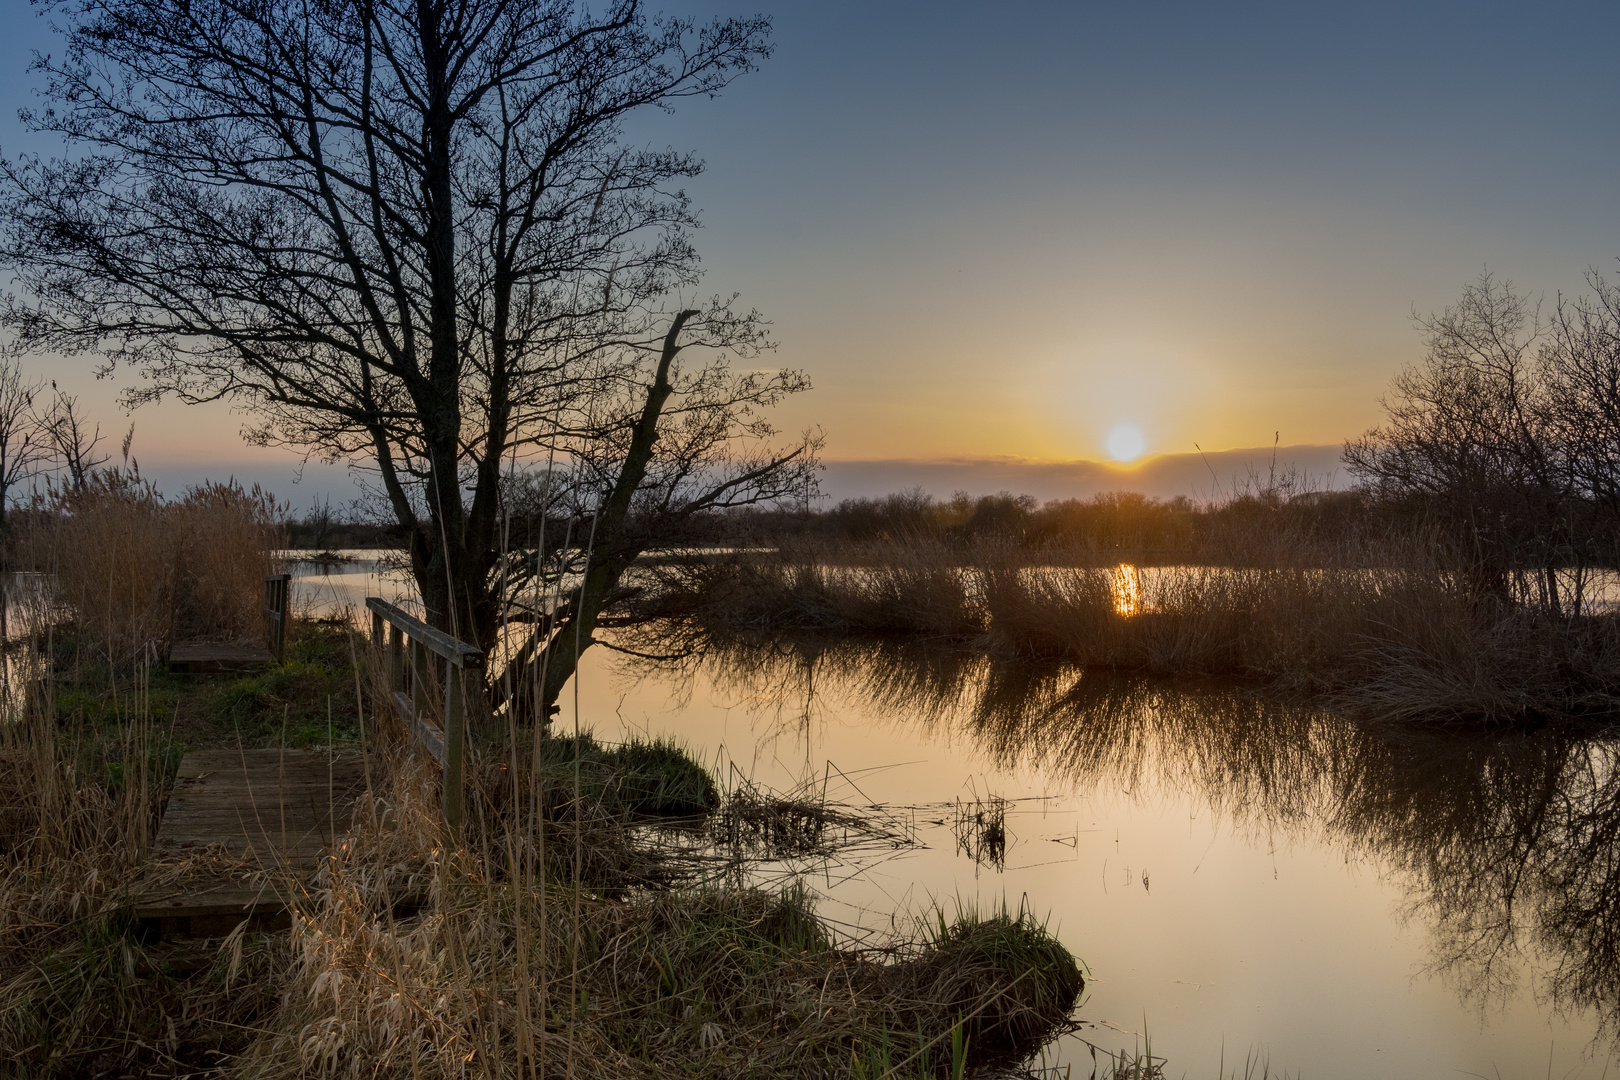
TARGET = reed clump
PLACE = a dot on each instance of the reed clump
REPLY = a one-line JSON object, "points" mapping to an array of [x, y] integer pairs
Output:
{"points": [[136, 571], [1018, 975], [1392, 630], [509, 967], [919, 590], [642, 776]]}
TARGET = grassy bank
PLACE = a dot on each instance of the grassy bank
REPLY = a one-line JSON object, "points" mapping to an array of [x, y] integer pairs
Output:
{"points": [[517, 950], [554, 936]]}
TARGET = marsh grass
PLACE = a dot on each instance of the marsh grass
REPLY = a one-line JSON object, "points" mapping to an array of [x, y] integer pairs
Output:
{"points": [[293, 703], [804, 825], [80, 993], [138, 571], [919, 590], [555, 934], [522, 957], [980, 829], [1390, 630], [643, 776]]}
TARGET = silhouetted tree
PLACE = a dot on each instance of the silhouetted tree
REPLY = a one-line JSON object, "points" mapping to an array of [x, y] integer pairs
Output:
{"points": [[23, 446], [407, 235], [73, 442], [1467, 440], [1581, 366]]}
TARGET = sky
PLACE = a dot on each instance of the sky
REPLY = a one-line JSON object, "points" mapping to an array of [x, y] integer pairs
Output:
{"points": [[995, 235]]}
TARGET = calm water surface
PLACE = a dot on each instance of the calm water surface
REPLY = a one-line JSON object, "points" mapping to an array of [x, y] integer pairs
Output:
{"points": [[1240, 878]]}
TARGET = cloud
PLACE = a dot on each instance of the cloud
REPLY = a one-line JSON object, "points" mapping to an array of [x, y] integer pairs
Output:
{"points": [[1198, 476]]}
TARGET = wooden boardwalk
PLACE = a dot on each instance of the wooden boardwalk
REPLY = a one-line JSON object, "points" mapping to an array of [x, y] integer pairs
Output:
{"points": [[214, 657], [274, 810]]}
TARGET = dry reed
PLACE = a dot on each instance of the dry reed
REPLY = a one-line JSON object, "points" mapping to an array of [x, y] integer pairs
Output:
{"points": [[515, 968], [80, 994], [543, 940], [1392, 631], [136, 570]]}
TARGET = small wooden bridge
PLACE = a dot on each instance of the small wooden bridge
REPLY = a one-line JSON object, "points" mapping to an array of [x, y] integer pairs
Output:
{"points": [[270, 816]]}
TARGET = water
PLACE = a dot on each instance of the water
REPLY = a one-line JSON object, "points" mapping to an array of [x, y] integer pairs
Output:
{"points": [[330, 588], [1339, 900], [1241, 878]]}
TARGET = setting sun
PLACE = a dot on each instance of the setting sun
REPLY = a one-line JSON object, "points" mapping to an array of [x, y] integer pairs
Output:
{"points": [[1125, 443]]}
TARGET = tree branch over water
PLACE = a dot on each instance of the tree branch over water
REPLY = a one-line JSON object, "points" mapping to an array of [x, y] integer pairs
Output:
{"points": [[406, 236]]}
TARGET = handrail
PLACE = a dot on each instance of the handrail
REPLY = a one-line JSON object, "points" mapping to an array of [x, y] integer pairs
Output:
{"points": [[457, 652], [446, 744]]}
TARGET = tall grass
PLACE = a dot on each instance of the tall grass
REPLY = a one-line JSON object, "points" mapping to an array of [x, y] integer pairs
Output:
{"points": [[137, 570], [1391, 630], [78, 810], [543, 938]]}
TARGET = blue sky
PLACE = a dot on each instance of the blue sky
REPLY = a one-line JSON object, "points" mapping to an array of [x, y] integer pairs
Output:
{"points": [[1001, 231]]}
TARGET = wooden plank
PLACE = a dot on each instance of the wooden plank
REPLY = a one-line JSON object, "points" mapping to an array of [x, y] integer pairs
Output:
{"points": [[282, 809], [203, 657], [229, 897], [282, 806], [428, 735]]}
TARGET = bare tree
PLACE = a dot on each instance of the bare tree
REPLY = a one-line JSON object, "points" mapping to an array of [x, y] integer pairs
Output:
{"points": [[407, 235], [1581, 366], [1467, 439], [71, 440], [22, 445], [641, 480]]}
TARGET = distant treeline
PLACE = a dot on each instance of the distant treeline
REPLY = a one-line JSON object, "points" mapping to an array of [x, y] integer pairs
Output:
{"points": [[1123, 522], [336, 535]]}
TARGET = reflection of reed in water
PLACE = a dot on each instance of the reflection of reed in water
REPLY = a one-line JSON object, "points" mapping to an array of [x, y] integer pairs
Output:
{"points": [[1508, 845], [1127, 590], [980, 828], [1392, 633]]}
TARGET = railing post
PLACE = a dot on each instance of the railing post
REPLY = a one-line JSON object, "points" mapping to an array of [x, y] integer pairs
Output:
{"points": [[275, 609], [396, 658], [431, 649], [420, 673], [454, 741]]}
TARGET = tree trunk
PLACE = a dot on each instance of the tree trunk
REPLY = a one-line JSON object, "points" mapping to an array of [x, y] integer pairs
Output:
{"points": [[609, 554]]}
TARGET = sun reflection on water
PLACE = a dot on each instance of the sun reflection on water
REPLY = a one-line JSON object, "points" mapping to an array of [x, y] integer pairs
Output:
{"points": [[1127, 590]]}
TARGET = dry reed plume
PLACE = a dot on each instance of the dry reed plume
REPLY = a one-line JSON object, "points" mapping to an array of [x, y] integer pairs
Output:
{"points": [[135, 569]]}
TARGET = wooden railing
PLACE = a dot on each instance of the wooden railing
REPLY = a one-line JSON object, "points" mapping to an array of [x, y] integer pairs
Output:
{"points": [[414, 683]]}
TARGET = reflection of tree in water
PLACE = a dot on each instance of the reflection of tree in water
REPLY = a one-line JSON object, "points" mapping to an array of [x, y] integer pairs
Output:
{"points": [[1506, 843]]}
